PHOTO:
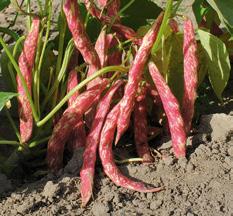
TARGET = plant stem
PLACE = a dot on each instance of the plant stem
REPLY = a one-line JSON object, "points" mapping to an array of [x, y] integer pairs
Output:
{"points": [[131, 160], [10, 56], [60, 51], [78, 87], [13, 125], [37, 142], [166, 17], [11, 33], [59, 76], [9, 142]]}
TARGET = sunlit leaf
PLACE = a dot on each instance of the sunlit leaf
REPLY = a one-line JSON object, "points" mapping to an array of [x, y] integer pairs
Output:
{"points": [[224, 10], [5, 97], [217, 61]]}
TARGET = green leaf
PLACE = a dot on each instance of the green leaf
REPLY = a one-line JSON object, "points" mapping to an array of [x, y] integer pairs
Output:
{"points": [[4, 4], [139, 12], [217, 61], [203, 67], [5, 97], [224, 10], [169, 60], [199, 10]]}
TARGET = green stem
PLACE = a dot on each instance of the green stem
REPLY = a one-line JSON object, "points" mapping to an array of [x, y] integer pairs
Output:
{"points": [[36, 76], [37, 142], [120, 12], [10, 67], [78, 87], [13, 125], [10, 56], [9, 142], [11, 33], [60, 50], [176, 7], [166, 17], [29, 21], [59, 76]]}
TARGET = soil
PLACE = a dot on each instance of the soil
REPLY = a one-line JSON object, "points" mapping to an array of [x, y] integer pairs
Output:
{"points": [[200, 185]]}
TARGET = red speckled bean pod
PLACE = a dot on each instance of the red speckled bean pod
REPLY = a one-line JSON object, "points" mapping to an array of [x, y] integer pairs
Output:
{"points": [[190, 73], [78, 137], [81, 39], [140, 127], [102, 45], [174, 25], [66, 123], [102, 3], [134, 77], [113, 9], [106, 156], [123, 30], [171, 108], [26, 63], [71, 83], [89, 156]]}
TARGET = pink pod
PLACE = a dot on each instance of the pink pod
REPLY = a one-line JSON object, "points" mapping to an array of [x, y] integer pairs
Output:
{"points": [[78, 136], [106, 156], [81, 39], [89, 156], [66, 123], [172, 110], [140, 127], [190, 74], [26, 63], [134, 77]]}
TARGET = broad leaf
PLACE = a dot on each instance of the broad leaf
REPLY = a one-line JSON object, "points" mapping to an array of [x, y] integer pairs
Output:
{"points": [[217, 61], [5, 97], [203, 67], [169, 60], [4, 4], [199, 10], [224, 10], [139, 12]]}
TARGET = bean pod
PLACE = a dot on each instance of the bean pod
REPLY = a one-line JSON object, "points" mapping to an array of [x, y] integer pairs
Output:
{"points": [[106, 156], [190, 73], [66, 123], [172, 110], [26, 63], [89, 156], [134, 77]]}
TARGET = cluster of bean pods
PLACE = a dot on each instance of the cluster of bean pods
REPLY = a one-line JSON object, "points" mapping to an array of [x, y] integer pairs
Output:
{"points": [[105, 108]]}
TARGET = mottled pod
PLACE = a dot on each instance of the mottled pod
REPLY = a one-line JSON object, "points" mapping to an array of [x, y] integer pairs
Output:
{"points": [[134, 77], [78, 135], [172, 111], [66, 123], [190, 74], [81, 39], [106, 156], [141, 128], [89, 156], [26, 63]]}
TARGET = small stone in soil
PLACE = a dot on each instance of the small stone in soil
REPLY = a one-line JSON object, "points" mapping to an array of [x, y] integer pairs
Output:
{"points": [[190, 167], [182, 162], [99, 209], [50, 190], [169, 160], [230, 151], [229, 161], [155, 204]]}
